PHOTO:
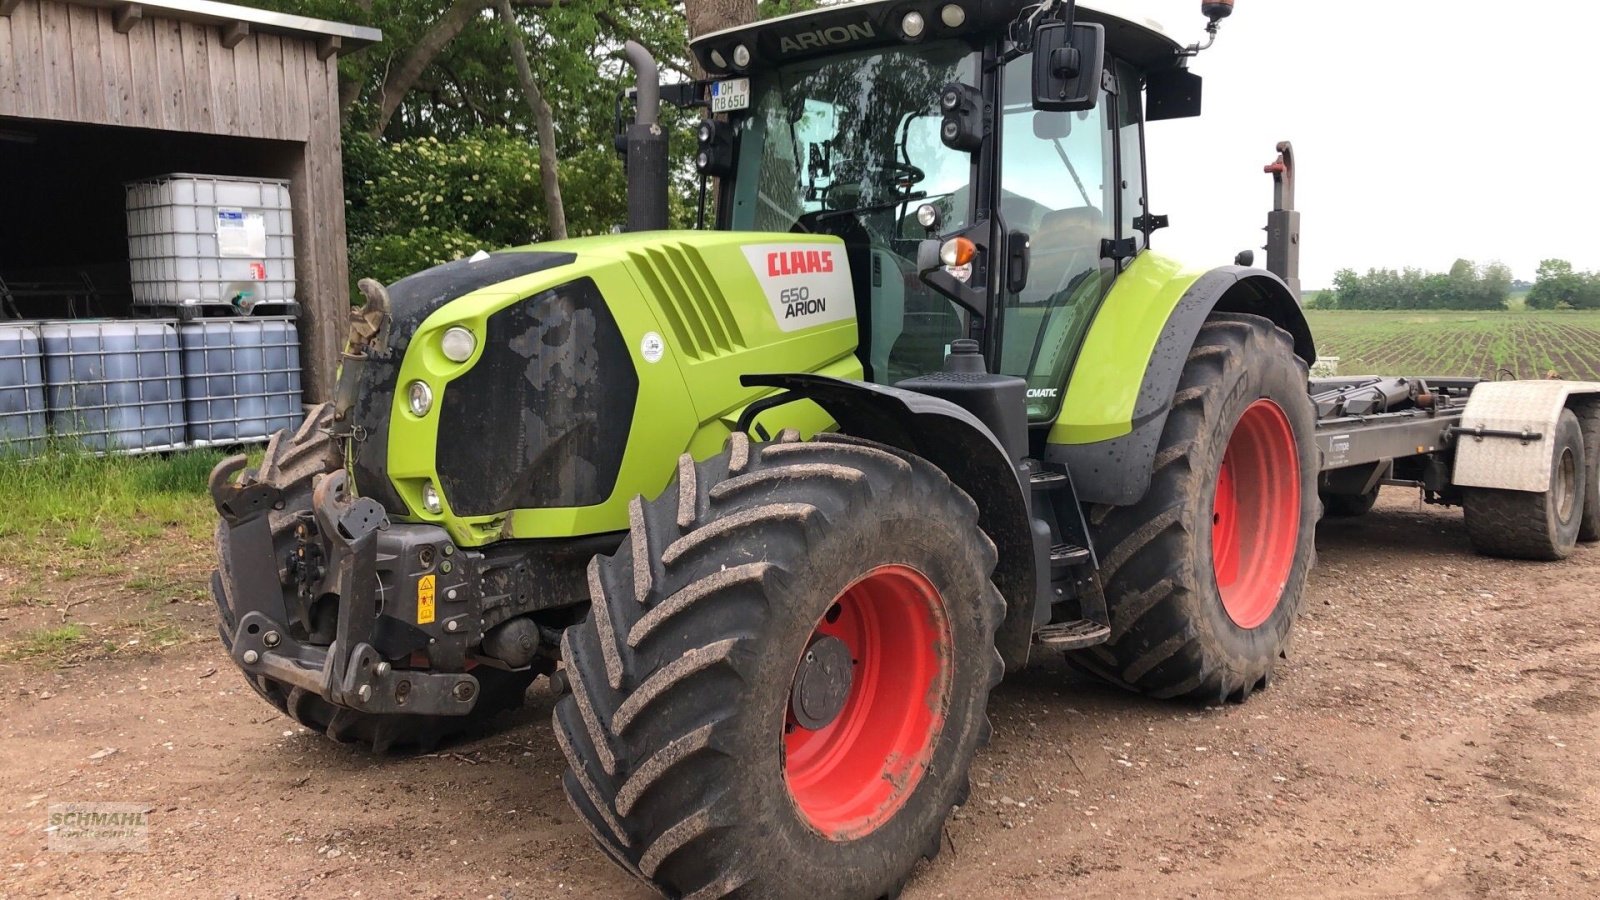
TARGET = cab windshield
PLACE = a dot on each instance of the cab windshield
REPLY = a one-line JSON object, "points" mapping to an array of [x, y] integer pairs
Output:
{"points": [[849, 145]]}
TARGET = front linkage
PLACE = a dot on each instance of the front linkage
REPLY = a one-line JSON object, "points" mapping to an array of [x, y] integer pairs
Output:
{"points": [[349, 622]]}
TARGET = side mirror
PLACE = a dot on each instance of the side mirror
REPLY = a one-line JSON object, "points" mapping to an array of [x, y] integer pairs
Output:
{"points": [[1067, 61]]}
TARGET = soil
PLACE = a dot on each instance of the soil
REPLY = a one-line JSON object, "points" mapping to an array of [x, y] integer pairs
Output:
{"points": [[1433, 731]]}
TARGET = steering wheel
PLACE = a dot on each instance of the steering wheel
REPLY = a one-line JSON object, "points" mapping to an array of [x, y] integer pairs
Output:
{"points": [[904, 173]]}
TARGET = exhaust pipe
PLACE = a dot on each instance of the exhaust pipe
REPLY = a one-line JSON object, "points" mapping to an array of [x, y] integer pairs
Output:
{"points": [[646, 146]]}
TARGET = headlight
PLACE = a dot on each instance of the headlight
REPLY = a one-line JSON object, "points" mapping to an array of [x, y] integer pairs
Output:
{"points": [[741, 56], [421, 398], [928, 216], [430, 499], [953, 16], [458, 344], [912, 25]]}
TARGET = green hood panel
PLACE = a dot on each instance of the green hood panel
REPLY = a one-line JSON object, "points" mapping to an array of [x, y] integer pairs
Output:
{"points": [[695, 310]]}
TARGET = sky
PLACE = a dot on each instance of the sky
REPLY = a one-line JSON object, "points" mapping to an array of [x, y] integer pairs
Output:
{"points": [[1424, 131]]}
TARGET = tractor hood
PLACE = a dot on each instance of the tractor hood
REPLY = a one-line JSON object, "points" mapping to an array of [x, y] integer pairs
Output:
{"points": [[577, 371]]}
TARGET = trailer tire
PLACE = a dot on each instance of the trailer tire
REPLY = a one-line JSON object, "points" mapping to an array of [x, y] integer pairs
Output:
{"points": [[1589, 522], [1534, 524], [1348, 506], [1241, 405], [689, 674]]}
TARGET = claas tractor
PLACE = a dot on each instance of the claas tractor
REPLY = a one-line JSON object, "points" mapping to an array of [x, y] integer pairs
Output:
{"points": [[775, 502]]}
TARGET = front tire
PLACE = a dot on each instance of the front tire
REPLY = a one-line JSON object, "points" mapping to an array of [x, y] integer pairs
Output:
{"points": [[1204, 574], [783, 675]]}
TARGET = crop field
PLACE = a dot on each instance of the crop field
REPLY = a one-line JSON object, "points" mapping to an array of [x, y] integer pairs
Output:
{"points": [[1528, 344]]}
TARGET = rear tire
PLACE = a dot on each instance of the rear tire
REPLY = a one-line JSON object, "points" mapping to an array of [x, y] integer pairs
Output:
{"points": [[1174, 632], [1348, 506], [1534, 524], [688, 759]]}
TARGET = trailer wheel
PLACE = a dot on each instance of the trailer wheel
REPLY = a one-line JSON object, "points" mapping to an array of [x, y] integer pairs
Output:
{"points": [[1534, 524], [1204, 574], [1348, 506], [1589, 522], [783, 675]]}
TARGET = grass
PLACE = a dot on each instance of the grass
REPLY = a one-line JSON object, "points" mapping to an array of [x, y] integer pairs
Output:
{"points": [[47, 642], [68, 512], [1526, 343]]}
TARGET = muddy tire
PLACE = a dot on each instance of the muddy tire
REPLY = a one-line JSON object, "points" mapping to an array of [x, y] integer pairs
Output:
{"points": [[783, 675], [1204, 575], [1348, 506], [1528, 524]]}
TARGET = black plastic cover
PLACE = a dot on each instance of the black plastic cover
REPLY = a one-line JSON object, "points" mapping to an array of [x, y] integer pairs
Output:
{"points": [[411, 300], [542, 419]]}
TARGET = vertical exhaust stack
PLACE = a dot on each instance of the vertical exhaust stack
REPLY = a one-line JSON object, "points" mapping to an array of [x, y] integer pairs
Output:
{"points": [[646, 146], [1283, 223]]}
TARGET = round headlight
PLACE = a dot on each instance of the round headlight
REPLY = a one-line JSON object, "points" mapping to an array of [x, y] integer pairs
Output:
{"points": [[928, 216], [718, 60], [741, 56], [912, 25], [458, 344], [430, 499], [953, 16], [420, 397]]}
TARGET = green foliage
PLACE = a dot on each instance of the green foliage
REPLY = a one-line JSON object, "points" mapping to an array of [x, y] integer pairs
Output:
{"points": [[1559, 286], [1466, 286]]}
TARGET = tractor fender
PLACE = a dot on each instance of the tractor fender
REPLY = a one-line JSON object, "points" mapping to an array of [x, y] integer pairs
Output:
{"points": [[1117, 471], [968, 452], [1502, 408]]}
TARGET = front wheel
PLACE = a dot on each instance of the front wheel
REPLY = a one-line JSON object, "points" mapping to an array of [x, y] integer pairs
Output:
{"points": [[783, 675], [1204, 574]]}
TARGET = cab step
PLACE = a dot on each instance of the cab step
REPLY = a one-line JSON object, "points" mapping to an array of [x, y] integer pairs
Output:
{"points": [[1065, 554], [1072, 635]]}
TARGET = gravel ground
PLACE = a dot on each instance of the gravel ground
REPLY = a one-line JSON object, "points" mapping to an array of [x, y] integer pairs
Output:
{"points": [[1434, 731]]}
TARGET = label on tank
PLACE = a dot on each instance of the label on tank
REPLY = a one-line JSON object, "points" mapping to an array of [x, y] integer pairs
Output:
{"points": [[806, 284]]}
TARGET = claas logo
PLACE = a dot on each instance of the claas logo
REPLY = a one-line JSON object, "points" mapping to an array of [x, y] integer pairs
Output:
{"points": [[799, 262]]}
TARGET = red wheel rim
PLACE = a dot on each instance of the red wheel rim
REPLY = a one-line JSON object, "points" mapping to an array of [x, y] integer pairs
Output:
{"points": [[1255, 520], [854, 773]]}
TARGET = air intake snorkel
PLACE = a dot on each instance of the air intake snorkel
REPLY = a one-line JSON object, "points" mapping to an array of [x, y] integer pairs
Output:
{"points": [[646, 146]]}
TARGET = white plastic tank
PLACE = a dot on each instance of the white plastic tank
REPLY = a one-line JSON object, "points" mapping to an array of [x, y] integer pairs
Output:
{"points": [[210, 240], [22, 411], [115, 385], [241, 378]]}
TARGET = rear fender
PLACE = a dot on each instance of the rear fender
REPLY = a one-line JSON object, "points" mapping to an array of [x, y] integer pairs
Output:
{"points": [[1116, 470], [969, 453], [1504, 408]]}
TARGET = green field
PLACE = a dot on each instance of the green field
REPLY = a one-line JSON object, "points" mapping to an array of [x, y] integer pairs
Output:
{"points": [[1529, 344]]}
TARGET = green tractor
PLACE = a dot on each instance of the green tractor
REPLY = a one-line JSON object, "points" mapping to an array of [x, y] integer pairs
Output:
{"points": [[776, 502]]}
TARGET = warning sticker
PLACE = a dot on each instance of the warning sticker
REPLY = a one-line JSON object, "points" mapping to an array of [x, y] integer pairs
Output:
{"points": [[806, 284], [425, 600]]}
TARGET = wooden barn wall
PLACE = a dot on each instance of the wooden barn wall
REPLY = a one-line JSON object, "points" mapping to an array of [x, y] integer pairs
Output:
{"points": [[68, 63]]}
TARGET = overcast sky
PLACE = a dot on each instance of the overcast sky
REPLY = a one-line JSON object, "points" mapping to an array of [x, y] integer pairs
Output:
{"points": [[1425, 130]]}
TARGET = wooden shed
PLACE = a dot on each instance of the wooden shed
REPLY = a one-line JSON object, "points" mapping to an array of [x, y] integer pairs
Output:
{"points": [[95, 94]]}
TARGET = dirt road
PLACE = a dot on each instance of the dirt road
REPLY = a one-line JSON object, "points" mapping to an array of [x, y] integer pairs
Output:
{"points": [[1434, 731]]}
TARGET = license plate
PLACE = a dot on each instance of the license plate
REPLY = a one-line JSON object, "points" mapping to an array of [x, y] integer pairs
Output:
{"points": [[727, 96]]}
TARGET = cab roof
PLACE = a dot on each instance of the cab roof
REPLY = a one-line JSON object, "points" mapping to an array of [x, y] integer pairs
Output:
{"points": [[850, 26]]}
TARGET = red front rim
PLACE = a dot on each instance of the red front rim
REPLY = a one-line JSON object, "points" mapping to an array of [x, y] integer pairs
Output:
{"points": [[854, 773], [1255, 521]]}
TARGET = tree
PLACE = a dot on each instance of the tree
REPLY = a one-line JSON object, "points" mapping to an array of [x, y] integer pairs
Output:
{"points": [[543, 118]]}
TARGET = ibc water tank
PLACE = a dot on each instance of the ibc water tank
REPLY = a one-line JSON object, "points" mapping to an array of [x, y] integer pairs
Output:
{"points": [[115, 385], [241, 378], [22, 415]]}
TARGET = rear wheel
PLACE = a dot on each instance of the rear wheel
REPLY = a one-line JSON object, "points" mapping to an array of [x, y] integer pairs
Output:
{"points": [[1534, 524], [1589, 522], [783, 675], [1204, 574], [1349, 506]]}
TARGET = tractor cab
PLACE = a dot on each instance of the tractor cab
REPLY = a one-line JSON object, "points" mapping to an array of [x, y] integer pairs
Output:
{"points": [[974, 197]]}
